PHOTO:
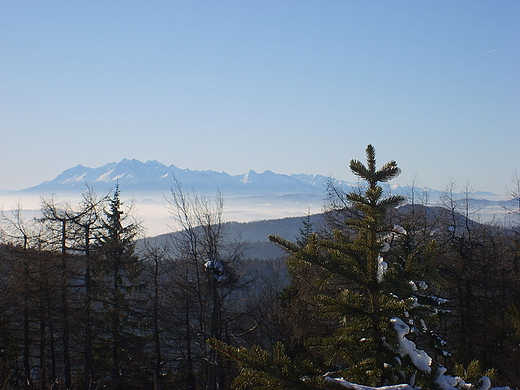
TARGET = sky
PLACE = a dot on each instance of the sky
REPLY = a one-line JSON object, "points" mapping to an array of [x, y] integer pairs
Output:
{"points": [[292, 86]]}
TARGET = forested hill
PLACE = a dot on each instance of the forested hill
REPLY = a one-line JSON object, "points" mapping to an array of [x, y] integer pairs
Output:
{"points": [[254, 235]]}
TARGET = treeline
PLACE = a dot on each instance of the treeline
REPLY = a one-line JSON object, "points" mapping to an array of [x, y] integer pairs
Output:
{"points": [[83, 307]]}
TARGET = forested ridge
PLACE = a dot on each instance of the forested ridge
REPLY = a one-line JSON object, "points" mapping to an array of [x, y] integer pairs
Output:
{"points": [[84, 307]]}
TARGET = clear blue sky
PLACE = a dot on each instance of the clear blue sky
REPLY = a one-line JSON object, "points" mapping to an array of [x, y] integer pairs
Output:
{"points": [[292, 86]]}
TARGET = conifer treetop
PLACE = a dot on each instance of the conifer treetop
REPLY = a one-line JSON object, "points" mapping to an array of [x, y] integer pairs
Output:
{"points": [[370, 173], [371, 201]]}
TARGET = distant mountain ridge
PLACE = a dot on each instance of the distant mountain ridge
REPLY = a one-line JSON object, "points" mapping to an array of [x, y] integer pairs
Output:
{"points": [[153, 176], [248, 197], [134, 175]]}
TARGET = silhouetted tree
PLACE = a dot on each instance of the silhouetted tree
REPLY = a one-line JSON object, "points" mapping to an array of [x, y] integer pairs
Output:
{"points": [[118, 270]]}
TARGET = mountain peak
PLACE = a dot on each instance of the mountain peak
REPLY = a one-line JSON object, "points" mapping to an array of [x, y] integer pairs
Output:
{"points": [[134, 175]]}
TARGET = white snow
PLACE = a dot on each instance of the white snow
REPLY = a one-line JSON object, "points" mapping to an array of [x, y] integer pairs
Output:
{"points": [[382, 267], [420, 358], [246, 177], [385, 247], [106, 176], [399, 230], [217, 268], [354, 386], [423, 362], [486, 383], [214, 265], [445, 382], [76, 179]]}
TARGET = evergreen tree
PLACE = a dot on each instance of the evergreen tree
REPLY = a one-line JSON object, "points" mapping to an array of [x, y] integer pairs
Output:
{"points": [[118, 269], [367, 295]]}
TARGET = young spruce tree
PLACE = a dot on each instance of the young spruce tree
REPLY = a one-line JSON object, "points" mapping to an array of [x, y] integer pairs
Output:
{"points": [[372, 293], [119, 346]]}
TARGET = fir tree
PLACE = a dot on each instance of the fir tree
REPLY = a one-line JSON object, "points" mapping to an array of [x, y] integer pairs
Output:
{"points": [[118, 272], [366, 291]]}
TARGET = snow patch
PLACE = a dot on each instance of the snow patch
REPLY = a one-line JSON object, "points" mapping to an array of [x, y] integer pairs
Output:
{"points": [[420, 358], [105, 177], [217, 268], [76, 179], [382, 267], [354, 386]]}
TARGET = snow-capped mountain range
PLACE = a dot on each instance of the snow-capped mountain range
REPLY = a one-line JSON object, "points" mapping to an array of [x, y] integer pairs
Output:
{"points": [[248, 197], [134, 175], [152, 176]]}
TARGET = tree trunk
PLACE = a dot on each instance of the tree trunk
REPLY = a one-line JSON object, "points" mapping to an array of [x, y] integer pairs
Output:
{"points": [[65, 309]]}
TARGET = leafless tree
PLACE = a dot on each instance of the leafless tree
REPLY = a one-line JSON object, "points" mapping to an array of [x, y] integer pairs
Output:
{"points": [[206, 276]]}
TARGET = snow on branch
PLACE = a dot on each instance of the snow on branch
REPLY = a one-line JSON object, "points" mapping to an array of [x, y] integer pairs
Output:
{"points": [[423, 362], [382, 265], [443, 381], [353, 386], [218, 269], [420, 358]]}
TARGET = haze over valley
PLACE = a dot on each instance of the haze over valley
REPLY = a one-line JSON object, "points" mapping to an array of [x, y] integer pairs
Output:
{"points": [[248, 197]]}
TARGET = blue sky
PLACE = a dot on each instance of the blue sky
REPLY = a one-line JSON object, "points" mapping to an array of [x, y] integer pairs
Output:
{"points": [[290, 86]]}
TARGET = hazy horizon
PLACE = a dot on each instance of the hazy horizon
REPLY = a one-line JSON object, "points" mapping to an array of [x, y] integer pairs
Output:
{"points": [[291, 87], [240, 204]]}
